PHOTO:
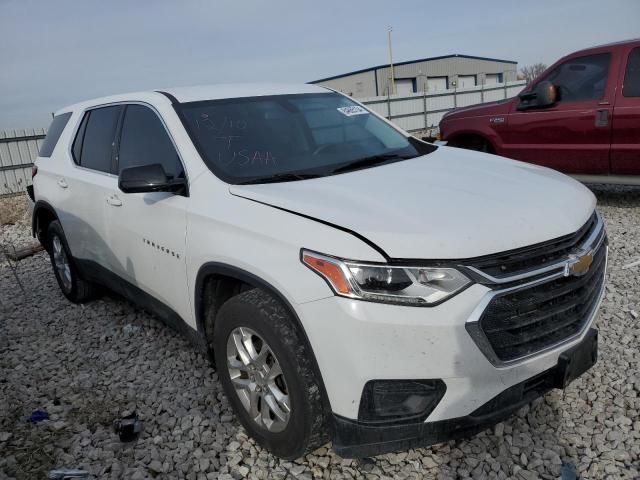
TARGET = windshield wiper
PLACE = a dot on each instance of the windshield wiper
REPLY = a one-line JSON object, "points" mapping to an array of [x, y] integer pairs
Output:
{"points": [[281, 177], [355, 165], [369, 162]]}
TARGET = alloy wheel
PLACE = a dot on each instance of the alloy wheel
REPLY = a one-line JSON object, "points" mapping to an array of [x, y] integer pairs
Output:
{"points": [[258, 379], [61, 262]]}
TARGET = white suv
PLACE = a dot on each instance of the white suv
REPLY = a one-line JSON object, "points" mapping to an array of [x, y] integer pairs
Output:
{"points": [[350, 282]]}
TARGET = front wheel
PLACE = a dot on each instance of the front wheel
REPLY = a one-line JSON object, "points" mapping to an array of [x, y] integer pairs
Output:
{"points": [[477, 144], [267, 374]]}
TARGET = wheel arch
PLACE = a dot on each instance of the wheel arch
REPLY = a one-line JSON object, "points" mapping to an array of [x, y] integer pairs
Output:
{"points": [[460, 136], [215, 270], [43, 215]]}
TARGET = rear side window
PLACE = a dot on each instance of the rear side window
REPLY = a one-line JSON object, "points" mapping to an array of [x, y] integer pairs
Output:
{"points": [[93, 145], [77, 143], [631, 86], [53, 134], [144, 141], [581, 78]]}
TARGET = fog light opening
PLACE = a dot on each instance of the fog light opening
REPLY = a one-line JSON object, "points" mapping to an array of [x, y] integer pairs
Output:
{"points": [[399, 401]]}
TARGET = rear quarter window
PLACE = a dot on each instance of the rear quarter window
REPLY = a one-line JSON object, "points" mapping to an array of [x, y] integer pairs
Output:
{"points": [[53, 134]]}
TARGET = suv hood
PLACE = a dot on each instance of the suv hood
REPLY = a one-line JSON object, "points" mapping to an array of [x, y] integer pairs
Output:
{"points": [[449, 204]]}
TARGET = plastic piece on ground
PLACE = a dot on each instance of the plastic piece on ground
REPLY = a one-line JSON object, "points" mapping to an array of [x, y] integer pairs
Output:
{"points": [[128, 428], [38, 416], [67, 473], [568, 471]]}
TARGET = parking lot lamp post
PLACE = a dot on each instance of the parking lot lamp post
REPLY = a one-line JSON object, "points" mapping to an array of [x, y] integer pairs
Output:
{"points": [[424, 96], [393, 80]]}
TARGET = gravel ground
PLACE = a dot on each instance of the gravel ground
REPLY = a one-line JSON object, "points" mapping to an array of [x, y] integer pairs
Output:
{"points": [[88, 365]]}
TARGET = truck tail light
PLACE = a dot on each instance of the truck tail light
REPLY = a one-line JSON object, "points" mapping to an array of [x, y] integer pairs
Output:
{"points": [[34, 170]]}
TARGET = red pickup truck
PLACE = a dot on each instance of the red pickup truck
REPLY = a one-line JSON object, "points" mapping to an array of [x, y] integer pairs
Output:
{"points": [[581, 116]]}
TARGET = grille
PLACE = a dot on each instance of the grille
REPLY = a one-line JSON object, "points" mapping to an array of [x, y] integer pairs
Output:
{"points": [[526, 321], [535, 256]]}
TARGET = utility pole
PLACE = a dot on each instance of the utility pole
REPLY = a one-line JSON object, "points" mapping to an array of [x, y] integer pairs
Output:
{"points": [[424, 96], [393, 78]]}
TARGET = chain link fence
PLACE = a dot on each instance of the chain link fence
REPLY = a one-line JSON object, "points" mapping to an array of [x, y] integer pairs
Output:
{"points": [[18, 150], [420, 113]]}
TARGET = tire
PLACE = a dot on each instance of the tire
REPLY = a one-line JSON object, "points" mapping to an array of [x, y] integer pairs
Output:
{"points": [[72, 285], [477, 144], [256, 317]]}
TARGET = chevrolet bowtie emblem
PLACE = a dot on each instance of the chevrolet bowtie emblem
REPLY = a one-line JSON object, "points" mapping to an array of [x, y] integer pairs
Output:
{"points": [[578, 265]]}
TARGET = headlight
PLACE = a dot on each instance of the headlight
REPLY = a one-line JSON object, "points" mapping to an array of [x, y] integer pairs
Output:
{"points": [[385, 283]]}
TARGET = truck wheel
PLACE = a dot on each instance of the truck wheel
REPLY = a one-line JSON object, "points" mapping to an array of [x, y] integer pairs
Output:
{"points": [[267, 374], [73, 287], [478, 144]]}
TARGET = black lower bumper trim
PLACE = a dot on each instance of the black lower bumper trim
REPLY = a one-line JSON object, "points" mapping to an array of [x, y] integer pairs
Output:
{"points": [[358, 439]]}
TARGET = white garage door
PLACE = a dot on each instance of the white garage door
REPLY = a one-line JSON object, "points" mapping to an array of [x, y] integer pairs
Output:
{"points": [[437, 84], [404, 86], [466, 81], [492, 79]]}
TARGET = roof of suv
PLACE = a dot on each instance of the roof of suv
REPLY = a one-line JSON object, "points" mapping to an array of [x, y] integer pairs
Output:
{"points": [[206, 92], [238, 90]]}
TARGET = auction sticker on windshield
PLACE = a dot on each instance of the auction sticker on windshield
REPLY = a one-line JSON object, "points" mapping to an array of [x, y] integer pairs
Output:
{"points": [[352, 110]]}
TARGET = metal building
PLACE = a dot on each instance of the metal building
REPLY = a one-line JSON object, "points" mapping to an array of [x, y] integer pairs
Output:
{"points": [[430, 74]]}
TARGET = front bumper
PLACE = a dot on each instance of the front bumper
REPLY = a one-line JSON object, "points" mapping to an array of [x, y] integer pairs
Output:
{"points": [[356, 439], [355, 342]]}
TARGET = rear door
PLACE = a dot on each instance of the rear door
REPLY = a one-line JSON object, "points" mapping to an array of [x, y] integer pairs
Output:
{"points": [[436, 84], [466, 81], [147, 231], [625, 147], [404, 86], [492, 79], [574, 134], [82, 183]]}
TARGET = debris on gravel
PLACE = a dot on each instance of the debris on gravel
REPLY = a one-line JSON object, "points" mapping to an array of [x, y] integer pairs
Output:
{"points": [[15, 221], [89, 365]]}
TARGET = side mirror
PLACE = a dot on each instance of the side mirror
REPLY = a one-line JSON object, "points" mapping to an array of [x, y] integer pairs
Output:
{"points": [[149, 178], [543, 95]]}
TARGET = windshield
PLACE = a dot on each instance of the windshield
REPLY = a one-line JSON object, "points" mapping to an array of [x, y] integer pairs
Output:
{"points": [[292, 137]]}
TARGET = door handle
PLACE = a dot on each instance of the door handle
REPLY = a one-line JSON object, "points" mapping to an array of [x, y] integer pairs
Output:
{"points": [[602, 118], [62, 183], [114, 201]]}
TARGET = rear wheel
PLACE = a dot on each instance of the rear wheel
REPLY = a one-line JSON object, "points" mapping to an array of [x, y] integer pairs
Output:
{"points": [[267, 374], [73, 287]]}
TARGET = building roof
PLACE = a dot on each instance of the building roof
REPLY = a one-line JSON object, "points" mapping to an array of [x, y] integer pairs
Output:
{"points": [[473, 57]]}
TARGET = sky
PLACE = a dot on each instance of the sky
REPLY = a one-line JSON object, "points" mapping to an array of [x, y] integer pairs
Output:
{"points": [[54, 53]]}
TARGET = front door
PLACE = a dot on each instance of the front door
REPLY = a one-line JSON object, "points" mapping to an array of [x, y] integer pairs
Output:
{"points": [[574, 134], [147, 231], [625, 146]]}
